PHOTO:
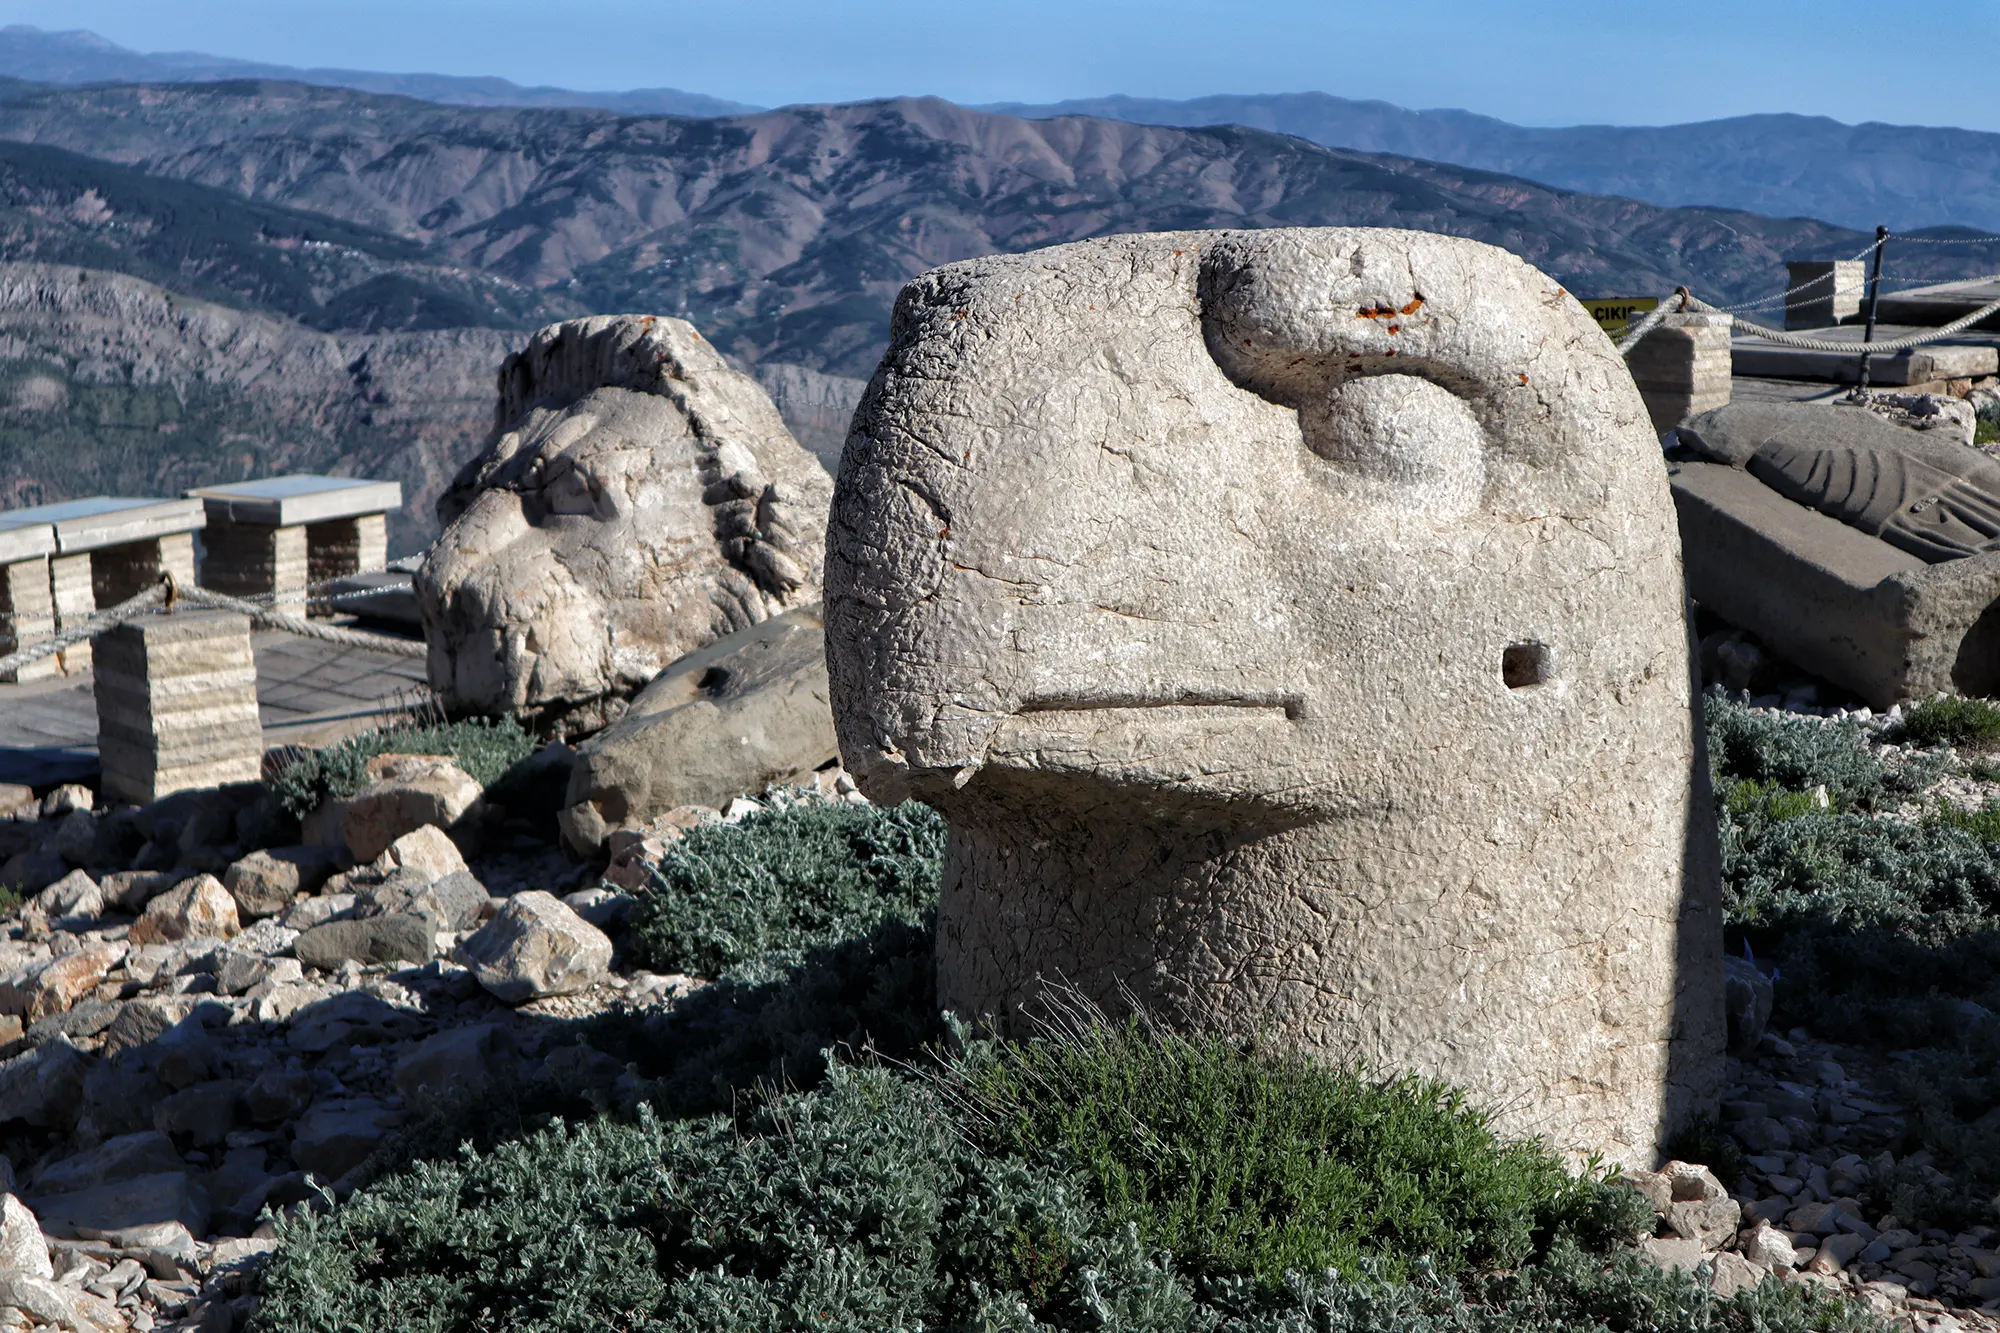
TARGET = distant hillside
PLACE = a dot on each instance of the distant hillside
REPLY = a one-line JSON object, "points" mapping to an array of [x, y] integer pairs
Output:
{"points": [[1902, 176], [83, 57], [112, 384], [64, 208], [785, 235]]}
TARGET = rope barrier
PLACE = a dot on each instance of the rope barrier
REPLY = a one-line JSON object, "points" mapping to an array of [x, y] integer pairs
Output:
{"points": [[146, 603], [1903, 344], [270, 618], [163, 597], [1651, 321]]}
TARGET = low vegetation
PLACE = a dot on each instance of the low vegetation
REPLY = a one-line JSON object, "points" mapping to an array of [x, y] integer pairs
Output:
{"points": [[485, 749], [805, 1144]]}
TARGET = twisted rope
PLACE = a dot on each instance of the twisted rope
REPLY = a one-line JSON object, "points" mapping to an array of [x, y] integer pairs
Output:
{"points": [[163, 596], [1903, 344], [265, 617], [130, 609]]}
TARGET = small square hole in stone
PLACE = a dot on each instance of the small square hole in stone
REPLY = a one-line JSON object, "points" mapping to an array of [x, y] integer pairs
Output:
{"points": [[1524, 664]]}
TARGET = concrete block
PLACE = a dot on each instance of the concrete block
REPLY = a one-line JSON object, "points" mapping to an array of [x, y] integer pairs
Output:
{"points": [[104, 520], [254, 559], [1682, 367], [75, 601], [1845, 605], [1837, 288], [27, 615], [299, 499], [177, 706]]}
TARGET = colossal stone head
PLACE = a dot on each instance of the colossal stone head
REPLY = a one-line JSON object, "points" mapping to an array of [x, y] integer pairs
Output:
{"points": [[639, 500], [1290, 626]]}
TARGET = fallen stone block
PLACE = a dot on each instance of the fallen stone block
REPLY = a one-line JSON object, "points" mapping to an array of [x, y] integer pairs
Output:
{"points": [[535, 946], [146, 1153], [746, 712]]}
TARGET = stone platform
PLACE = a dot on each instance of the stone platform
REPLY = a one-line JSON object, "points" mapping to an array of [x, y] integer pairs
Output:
{"points": [[308, 693]]}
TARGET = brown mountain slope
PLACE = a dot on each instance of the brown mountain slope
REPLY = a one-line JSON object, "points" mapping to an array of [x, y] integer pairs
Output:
{"points": [[786, 234]]}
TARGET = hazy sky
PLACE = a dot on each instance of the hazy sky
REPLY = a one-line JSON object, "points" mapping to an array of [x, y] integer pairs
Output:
{"points": [[1543, 62]]}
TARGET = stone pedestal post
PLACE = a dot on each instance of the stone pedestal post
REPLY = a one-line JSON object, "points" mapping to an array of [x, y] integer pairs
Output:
{"points": [[124, 571], [177, 706], [1682, 367], [75, 601], [343, 546], [250, 559], [1835, 293], [27, 615]]}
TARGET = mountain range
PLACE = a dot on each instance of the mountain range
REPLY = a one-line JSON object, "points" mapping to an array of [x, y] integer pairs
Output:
{"points": [[370, 257]]}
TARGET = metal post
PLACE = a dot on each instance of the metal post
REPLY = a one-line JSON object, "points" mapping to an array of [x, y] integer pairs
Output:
{"points": [[1874, 299]]}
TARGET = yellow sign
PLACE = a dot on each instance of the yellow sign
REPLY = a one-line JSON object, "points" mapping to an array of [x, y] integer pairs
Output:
{"points": [[1615, 313]]}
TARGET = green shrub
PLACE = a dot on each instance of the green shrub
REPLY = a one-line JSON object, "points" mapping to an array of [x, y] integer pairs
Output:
{"points": [[1949, 719], [1244, 1164], [1983, 825], [484, 749], [1854, 870], [1796, 754], [749, 899]]}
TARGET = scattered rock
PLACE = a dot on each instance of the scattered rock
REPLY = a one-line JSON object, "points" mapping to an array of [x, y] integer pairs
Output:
{"points": [[404, 792], [1672, 1252], [198, 907], [395, 937], [337, 1135], [264, 883], [169, 1196], [18, 802], [1733, 1273], [535, 946], [69, 798], [74, 897], [130, 890], [1769, 1247], [146, 1153], [63, 1306]]}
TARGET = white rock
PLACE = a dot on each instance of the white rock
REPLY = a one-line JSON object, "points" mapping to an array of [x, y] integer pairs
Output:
{"points": [[1769, 1247], [22, 1248]]}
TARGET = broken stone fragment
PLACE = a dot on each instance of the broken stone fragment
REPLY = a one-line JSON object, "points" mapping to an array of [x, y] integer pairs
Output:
{"points": [[65, 1307], [199, 907], [52, 987], [535, 946], [76, 896], [1769, 1247], [43, 1086]]}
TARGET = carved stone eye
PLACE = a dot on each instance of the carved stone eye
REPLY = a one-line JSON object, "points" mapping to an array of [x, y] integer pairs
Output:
{"points": [[1407, 441]]}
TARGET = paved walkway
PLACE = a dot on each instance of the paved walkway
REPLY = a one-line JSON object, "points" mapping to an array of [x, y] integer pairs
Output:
{"points": [[308, 692]]}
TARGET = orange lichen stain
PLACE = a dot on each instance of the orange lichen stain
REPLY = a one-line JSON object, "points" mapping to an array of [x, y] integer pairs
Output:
{"points": [[1524, 381], [1414, 305], [1395, 328]]}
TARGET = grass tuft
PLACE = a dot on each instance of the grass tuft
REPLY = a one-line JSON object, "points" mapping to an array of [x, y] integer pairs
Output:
{"points": [[1949, 719], [484, 749]]}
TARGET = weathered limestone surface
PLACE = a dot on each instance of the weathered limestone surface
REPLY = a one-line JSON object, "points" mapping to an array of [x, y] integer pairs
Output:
{"points": [[639, 500], [177, 705], [1290, 624], [343, 546], [747, 712]]}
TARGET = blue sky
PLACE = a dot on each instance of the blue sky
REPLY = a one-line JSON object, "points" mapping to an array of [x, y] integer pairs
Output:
{"points": [[1542, 62]]}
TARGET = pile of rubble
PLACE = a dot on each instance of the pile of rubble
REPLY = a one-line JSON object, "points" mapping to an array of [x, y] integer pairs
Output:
{"points": [[186, 1050]]}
